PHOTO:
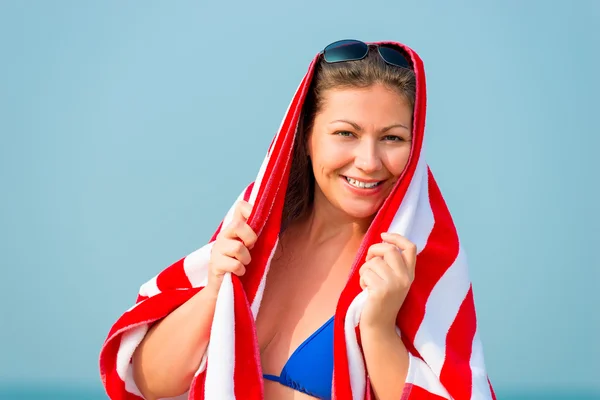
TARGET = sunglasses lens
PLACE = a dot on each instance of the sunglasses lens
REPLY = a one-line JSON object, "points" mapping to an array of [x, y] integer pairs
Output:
{"points": [[345, 50], [394, 56]]}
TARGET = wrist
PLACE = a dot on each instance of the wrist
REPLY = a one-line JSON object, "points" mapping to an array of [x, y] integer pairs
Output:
{"points": [[209, 293], [379, 331]]}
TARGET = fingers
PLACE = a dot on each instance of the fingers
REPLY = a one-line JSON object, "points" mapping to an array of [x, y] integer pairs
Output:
{"points": [[409, 249], [380, 267], [235, 249], [241, 231], [228, 264], [398, 251], [230, 252], [238, 228], [391, 263], [369, 279], [390, 253], [374, 272], [242, 210]]}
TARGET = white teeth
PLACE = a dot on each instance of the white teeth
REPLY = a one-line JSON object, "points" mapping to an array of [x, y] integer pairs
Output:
{"points": [[360, 184]]}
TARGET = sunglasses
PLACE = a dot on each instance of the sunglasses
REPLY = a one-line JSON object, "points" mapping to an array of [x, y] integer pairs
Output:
{"points": [[353, 50]]}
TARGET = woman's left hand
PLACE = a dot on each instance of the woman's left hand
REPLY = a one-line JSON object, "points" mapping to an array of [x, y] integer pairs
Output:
{"points": [[387, 274]]}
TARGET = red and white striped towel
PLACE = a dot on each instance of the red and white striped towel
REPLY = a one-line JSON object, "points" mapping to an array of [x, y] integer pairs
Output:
{"points": [[437, 321]]}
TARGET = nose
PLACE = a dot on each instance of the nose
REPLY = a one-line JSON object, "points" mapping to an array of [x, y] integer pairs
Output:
{"points": [[367, 159]]}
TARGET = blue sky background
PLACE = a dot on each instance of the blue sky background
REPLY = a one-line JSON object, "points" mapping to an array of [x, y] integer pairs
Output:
{"points": [[127, 128]]}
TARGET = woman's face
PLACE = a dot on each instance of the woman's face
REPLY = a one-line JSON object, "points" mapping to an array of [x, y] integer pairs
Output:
{"points": [[359, 146]]}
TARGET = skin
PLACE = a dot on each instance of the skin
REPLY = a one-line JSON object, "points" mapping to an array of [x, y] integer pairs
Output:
{"points": [[358, 148], [360, 133]]}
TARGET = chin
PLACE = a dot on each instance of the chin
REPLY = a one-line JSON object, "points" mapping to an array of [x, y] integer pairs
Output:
{"points": [[360, 211]]}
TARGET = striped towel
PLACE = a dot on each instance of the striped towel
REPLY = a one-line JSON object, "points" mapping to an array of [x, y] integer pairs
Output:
{"points": [[437, 321]]}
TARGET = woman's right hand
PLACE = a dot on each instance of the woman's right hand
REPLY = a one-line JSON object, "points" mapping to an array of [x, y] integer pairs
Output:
{"points": [[168, 357], [230, 252]]}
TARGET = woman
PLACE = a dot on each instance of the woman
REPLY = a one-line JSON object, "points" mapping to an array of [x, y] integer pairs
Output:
{"points": [[327, 293]]}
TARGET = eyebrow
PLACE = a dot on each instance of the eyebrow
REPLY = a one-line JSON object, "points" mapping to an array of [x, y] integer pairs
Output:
{"points": [[358, 127]]}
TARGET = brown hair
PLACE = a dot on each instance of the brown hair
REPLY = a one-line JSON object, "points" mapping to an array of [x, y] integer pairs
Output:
{"points": [[353, 74]]}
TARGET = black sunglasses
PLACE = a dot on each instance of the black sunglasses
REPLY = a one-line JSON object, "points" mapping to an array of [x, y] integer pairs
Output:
{"points": [[353, 50]]}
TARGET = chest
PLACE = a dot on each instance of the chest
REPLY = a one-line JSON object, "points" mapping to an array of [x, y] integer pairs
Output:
{"points": [[301, 293]]}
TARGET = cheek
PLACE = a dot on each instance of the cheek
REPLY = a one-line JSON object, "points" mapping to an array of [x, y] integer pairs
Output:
{"points": [[329, 154], [397, 160]]}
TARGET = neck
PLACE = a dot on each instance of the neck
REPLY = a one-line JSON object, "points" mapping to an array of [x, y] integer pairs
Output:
{"points": [[326, 223]]}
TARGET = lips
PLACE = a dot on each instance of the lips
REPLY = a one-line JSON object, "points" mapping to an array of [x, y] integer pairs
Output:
{"points": [[362, 184], [362, 191]]}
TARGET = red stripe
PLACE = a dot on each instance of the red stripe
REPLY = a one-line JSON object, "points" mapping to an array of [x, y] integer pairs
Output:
{"points": [[246, 197], [271, 146], [414, 392], [149, 311], [270, 183], [382, 221], [196, 391], [439, 254], [214, 236], [113, 385], [491, 389], [432, 263], [140, 298], [266, 214], [247, 374], [456, 374], [248, 192], [173, 277]]}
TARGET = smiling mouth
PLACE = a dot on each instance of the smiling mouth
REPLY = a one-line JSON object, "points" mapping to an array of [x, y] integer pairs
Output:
{"points": [[362, 185]]}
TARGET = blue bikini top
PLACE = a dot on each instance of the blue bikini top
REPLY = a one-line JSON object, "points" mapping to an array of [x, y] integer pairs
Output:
{"points": [[310, 368]]}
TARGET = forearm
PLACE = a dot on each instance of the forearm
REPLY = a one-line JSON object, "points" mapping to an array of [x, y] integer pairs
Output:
{"points": [[166, 360], [386, 358]]}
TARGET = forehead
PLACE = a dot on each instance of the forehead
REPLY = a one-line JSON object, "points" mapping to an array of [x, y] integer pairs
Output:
{"points": [[376, 102]]}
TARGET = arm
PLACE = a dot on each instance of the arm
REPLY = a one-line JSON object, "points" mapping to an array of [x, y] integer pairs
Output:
{"points": [[386, 358], [387, 275], [166, 360]]}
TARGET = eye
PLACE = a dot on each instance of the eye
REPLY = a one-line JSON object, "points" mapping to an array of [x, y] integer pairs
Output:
{"points": [[344, 134], [394, 138]]}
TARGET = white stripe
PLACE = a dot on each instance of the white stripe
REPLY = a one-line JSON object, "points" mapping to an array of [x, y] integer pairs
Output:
{"points": [[130, 385], [150, 288], [129, 342], [261, 287], [424, 220], [221, 348], [195, 265], [134, 306], [259, 178], [414, 220], [263, 167], [441, 310], [202, 365], [254, 193], [404, 219], [480, 385], [355, 359], [419, 374], [290, 105], [229, 215]]}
